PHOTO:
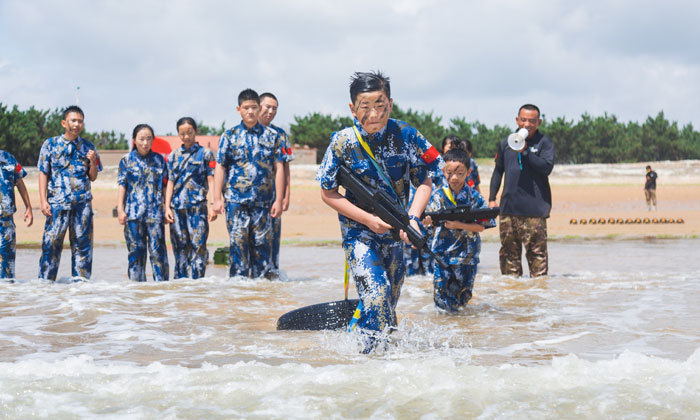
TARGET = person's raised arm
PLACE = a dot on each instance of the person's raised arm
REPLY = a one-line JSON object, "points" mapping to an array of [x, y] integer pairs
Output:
{"points": [[544, 161]]}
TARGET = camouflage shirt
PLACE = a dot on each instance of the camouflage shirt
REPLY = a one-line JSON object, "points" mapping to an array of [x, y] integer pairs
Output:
{"points": [[10, 172]]}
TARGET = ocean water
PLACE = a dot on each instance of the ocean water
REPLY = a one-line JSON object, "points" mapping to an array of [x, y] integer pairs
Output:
{"points": [[613, 333]]}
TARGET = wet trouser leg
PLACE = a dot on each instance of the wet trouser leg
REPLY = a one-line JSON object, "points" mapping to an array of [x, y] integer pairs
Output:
{"points": [[452, 289], [135, 236], [189, 234], [378, 269], [80, 233], [8, 243], [158, 250], [52, 243], [535, 243], [510, 254], [250, 241]]}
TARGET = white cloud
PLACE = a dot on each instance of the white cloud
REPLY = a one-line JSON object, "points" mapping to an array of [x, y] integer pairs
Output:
{"points": [[148, 61]]}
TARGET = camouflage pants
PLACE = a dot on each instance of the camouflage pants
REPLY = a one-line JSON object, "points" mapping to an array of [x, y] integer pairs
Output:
{"points": [[8, 241], [650, 195], [142, 236], [250, 241], [519, 232], [78, 222], [378, 268], [188, 234]]}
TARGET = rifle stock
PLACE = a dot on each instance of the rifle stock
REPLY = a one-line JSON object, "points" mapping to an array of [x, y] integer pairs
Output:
{"points": [[386, 208]]}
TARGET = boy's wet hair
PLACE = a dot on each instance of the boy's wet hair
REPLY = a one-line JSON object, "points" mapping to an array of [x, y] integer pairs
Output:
{"points": [[363, 82], [73, 108], [138, 128], [458, 153], [268, 95], [186, 120], [248, 95]]}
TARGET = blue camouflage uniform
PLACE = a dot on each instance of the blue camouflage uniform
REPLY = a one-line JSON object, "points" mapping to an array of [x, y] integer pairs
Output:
{"points": [[473, 180], [376, 261], [66, 166], [458, 248], [286, 149], [143, 177], [10, 172], [189, 170], [248, 156]]}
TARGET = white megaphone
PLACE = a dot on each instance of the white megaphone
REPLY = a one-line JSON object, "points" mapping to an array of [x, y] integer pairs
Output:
{"points": [[516, 141]]}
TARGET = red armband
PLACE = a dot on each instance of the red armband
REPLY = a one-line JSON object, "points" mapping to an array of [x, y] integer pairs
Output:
{"points": [[430, 155]]}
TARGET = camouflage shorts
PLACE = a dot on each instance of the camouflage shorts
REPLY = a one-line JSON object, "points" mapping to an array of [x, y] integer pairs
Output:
{"points": [[519, 232]]}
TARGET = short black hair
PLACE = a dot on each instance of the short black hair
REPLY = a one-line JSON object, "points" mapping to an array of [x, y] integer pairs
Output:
{"points": [[450, 138], [530, 107], [458, 153], [648, 166], [73, 108], [248, 95], [186, 120], [268, 95], [362, 82]]}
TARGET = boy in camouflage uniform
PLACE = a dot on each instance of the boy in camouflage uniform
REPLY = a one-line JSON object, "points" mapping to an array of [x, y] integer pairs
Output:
{"points": [[386, 154], [249, 166], [190, 177], [458, 243], [11, 174], [67, 165], [268, 111]]}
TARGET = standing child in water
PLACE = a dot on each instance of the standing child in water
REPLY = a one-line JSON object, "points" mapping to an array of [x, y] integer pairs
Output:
{"points": [[11, 174], [190, 177], [458, 243], [141, 177]]}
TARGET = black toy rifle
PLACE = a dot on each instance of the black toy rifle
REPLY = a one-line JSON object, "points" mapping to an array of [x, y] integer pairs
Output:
{"points": [[386, 208], [462, 213]]}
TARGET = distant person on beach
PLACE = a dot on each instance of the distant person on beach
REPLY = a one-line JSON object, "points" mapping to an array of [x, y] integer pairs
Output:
{"points": [[458, 243], [190, 178], [250, 173], [11, 174], [67, 165], [141, 177], [268, 111], [526, 200], [650, 188], [385, 154]]}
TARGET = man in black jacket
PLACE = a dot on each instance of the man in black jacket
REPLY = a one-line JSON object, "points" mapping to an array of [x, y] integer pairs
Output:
{"points": [[527, 199]]}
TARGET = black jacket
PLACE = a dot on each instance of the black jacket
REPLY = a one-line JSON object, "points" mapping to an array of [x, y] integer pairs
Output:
{"points": [[526, 191]]}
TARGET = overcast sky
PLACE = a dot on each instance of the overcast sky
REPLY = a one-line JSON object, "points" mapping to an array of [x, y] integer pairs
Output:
{"points": [[156, 61]]}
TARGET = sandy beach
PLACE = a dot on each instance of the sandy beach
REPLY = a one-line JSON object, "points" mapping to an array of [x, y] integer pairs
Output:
{"points": [[579, 192]]}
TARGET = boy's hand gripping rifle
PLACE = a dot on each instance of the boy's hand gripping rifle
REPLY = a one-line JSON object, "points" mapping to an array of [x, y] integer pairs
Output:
{"points": [[462, 213], [386, 208]]}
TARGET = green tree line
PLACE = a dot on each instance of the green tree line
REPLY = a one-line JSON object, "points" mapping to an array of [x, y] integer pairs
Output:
{"points": [[23, 132], [591, 139], [601, 139]]}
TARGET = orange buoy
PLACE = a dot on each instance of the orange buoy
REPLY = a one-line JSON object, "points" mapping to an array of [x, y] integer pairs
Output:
{"points": [[654, 220], [646, 220], [611, 221], [601, 221], [592, 221], [583, 221], [680, 220], [573, 222]]}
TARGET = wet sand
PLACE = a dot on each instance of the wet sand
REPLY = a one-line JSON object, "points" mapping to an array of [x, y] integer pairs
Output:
{"points": [[578, 191]]}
